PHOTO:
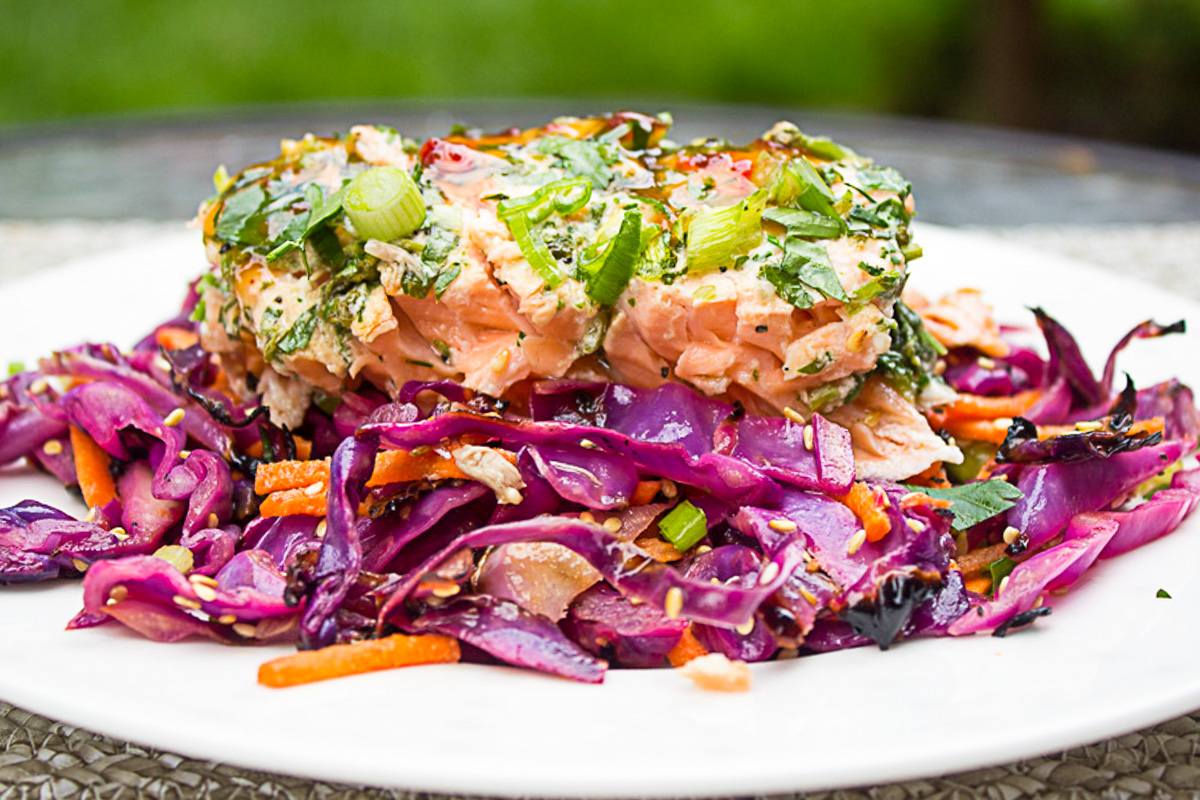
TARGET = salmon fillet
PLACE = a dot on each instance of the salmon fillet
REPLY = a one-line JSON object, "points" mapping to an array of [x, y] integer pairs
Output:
{"points": [[766, 274]]}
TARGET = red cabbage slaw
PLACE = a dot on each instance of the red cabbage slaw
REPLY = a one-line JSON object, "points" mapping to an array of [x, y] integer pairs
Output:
{"points": [[781, 566]]}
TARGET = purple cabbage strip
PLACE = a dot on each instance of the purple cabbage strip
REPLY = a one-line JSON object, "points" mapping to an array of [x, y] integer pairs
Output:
{"points": [[283, 538], [30, 534], [1067, 361], [513, 635], [384, 537], [725, 477], [1054, 493], [340, 557], [144, 593], [602, 620], [592, 478], [24, 425], [776, 445], [625, 566], [1173, 402], [733, 565]]}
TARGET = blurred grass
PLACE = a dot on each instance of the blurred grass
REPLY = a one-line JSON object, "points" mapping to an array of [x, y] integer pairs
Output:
{"points": [[920, 57]]}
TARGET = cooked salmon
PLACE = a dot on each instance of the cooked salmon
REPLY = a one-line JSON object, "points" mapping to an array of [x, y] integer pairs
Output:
{"points": [[766, 274]]}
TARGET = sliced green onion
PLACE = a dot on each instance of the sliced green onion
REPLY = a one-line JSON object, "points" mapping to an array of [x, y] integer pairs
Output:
{"points": [[615, 265], [564, 197], [384, 203], [716, 235], [684, 526], [16, 367], [534, 249]]}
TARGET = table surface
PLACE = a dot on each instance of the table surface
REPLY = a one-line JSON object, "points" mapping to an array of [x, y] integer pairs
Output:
{"points": [[70, 190]]}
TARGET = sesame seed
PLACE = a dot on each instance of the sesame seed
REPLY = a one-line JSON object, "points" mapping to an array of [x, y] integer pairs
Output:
{"points": [[446, 590], [1089, 426], [673, 604], [939, 368], [985, 362], [855, 341], [668, 488], [315, 489], [856, 541], [703, 549], [915, 525], [205, 580], [52, 447], [808, 437], [184, 453], [79, 565], [117, 593], [812, 566], [1011, 534], [782, 525], [770, 572], [1038, 603], [588, 444], [227, 619], [205, 593], [746, 628], [587, 516], [500, 361], [244, 630], [1003, 585], [186, 602], [420, 450], [612, 524], [120, 533], [321, 526], [808, 596], [213, 520], [38, 386], [91, 515], [793, 415], [174, 418], [636, 601], [1003, 423]]}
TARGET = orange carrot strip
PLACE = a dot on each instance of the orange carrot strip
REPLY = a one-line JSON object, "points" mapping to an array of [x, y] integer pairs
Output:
{"points": [[92, 469], [280, 475], [396, 466], [922, 499], [340, 660], [979, 430], [645, 492], [868, 505], [978, 585], [659, 549], [175, 338], [687, 648], [287, 502], [974, 406]]}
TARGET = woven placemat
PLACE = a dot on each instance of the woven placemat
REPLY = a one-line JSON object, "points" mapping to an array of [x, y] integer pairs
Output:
{"points": [[43, 759]]}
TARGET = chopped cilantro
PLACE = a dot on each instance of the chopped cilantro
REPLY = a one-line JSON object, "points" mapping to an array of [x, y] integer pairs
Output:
{"points": [[975, 502], [1163, 594], [1000, 569], [237, 222], [296, 338]]}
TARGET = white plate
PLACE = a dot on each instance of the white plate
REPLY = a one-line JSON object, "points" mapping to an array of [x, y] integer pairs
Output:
{"points": [[1112, 657]]}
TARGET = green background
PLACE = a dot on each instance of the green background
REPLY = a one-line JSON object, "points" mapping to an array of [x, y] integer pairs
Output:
{"points": [[1121, 69]]}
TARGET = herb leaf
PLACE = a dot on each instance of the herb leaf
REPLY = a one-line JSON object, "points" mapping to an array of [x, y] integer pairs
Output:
{"points": [[445, 278], [972, 503], [236, 223], [588, 159], [323, 208], [805, 223], [1000, 569], [297, 336], [884, 179], [1163, 594], [809, 263]]}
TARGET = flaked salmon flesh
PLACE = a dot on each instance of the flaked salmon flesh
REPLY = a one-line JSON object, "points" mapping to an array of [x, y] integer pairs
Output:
{"points": [[794, 318]]}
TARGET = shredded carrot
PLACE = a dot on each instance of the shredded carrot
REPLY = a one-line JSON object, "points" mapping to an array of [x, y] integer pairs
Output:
{"points": [[645, 492], [869, 504], [922, 499], [979, 585], [659, 549], [340, 660], [687, 648], [281, 475], [303, 450], [92, 469], [175, 338], [974, 406], [396, 466], [934, 477], [992, 431], [289, 502]]}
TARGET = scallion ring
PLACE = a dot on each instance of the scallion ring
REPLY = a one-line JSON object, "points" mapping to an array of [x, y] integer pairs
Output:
{"points": [[384, 203]]}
